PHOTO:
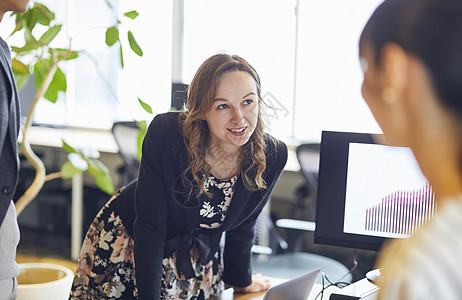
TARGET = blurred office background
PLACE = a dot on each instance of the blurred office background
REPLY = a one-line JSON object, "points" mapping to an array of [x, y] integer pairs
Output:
{"points": [[304, 50]]}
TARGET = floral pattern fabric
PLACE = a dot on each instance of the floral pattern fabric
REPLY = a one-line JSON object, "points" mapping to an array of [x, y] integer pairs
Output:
{"points": [[214, 210], [208, 280], [106, 268]]}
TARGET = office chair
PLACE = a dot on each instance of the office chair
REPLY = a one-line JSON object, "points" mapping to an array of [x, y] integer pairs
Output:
{"points": [[126, 136], [272, 257], [305, 195], [179, 95], [304, 207], [308, 157]]}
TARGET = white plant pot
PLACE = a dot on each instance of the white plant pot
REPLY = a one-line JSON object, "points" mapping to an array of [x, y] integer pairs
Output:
{"points": [[44, 281]]}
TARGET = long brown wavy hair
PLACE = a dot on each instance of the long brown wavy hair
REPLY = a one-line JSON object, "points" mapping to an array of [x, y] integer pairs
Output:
{"points": [[201, 95]]}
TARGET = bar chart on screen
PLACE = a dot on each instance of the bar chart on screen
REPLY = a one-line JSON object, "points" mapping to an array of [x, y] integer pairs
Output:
{"points": [[401, 212], [387, 195]]}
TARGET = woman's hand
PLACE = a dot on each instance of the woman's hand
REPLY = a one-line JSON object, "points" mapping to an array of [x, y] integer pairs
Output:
{"points": [[259, 283]]}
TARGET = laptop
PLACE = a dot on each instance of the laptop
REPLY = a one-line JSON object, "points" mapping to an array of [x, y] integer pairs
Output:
{"points": [[295, 289]]}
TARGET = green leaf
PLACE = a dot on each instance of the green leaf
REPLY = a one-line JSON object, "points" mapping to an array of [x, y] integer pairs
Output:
{"points": [[65, 54], [59, 80], [29, 46], [18, 17], [30, 18], [57, 84], [145, 106], [21, 80], [121, 57], [44, 15], [28, 35], [68, 148], [112, 35], [51, 94], [96, 168], [141, 134], [102, 176], [50, 34], [73, 55], [19, 25], [69, 170], [131, 14], [134, 45], [19, 67], [105, 184], [40, 71]]}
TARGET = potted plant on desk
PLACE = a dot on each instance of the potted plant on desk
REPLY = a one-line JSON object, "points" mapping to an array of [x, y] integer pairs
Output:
{"points": [[38, 57]]}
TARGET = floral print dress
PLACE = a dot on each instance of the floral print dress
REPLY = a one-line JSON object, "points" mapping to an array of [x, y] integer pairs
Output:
{"points": [[106, 268]]}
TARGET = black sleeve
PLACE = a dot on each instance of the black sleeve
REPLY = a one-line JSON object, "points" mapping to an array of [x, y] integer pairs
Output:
{"points": [[151, 214], [237, 254]]}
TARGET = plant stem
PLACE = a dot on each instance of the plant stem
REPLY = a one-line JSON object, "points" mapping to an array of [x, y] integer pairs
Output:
{"points": [[36, 162], [54, 175]]}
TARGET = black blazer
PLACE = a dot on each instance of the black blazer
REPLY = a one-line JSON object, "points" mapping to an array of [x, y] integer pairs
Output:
{"points": [[9, 129], [162, 219]]}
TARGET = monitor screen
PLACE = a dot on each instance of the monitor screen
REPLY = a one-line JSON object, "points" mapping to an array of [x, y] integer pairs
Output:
{"points": [[368, 192]]}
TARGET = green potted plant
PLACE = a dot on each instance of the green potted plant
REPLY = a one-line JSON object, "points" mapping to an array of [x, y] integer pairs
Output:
{"points": [[38, 57]]}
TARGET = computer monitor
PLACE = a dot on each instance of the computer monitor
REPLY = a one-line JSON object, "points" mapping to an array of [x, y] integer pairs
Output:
{"points": [[368, 192]]}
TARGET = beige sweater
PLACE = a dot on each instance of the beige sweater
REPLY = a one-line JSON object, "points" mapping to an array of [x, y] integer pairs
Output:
{"points": [[429, 264]]}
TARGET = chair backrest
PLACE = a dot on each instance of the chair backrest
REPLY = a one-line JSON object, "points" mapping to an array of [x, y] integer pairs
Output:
{"points": [[267, 240], [179, 95], [308, 158], [126, 136]]}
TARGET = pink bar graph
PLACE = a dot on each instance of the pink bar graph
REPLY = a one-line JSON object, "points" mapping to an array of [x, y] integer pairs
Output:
{"points": [[401, 212]]}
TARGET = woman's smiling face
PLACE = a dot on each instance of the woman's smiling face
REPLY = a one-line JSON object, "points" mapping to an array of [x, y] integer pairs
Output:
{"points": [[233, 116]]}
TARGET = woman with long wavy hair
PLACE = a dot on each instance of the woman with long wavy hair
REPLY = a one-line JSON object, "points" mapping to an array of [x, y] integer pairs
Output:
{"points": [[206, 170], [411, 55]]}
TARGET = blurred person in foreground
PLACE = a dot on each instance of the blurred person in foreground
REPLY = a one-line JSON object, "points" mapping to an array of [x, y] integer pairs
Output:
{"points": [[411, 55], [9, 130]]}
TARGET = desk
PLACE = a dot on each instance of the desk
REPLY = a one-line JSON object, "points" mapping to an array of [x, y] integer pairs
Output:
{"points": [[230, 295], [81, 138]]}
